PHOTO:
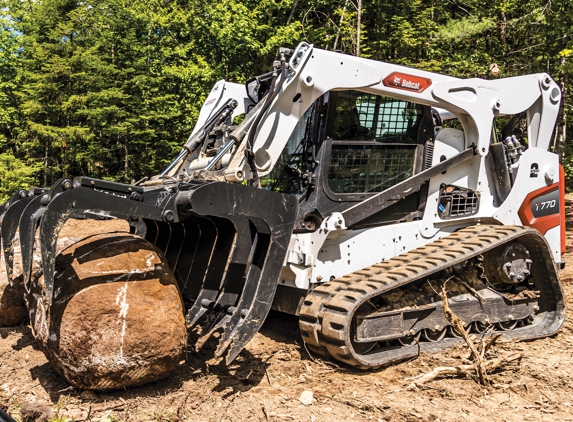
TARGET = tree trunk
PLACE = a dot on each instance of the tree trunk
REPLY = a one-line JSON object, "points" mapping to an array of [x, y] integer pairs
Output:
{"points": [[358, 23], [340, 26], [294, 5], [561, 129], [126, 162]]}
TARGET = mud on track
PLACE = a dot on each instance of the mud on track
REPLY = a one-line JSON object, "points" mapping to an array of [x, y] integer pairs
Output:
{"points": [[266, 381]]}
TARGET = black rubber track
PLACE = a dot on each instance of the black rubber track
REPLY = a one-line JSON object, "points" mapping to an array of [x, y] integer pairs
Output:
{"points": [[327, 312]]}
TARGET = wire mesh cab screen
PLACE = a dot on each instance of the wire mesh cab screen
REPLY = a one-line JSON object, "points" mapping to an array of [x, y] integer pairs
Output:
{"points": [[359, 116], [369, 168], [374, 141]]}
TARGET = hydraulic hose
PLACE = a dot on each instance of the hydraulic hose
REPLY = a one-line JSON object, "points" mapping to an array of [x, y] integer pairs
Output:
{"points": [[268, 100]]}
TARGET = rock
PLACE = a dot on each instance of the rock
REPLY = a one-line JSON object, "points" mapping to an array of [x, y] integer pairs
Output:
{"points": [[34, 411], [306, 397], [117, 316], [13, 309], [89, 395]]}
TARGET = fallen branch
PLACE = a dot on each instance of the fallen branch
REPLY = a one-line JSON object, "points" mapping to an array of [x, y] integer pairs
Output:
{"points": [[459, 327], [463, 370]]}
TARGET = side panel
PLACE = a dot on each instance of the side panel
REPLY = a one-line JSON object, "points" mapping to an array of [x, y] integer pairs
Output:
{"points": [[537, 176]]}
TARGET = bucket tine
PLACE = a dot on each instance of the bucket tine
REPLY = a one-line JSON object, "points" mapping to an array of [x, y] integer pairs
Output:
{"points": [[250, 294], [234, 277], [152, 230], [236, 273], [188, 250], [216, 271], [178, 233], [272, 216], [205, 247], [10, 222], [163, 235]]}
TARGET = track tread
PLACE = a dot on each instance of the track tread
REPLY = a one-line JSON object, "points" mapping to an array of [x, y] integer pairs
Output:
{"points": [[332, 308]]}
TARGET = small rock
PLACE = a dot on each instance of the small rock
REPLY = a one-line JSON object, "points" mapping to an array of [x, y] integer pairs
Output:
{"points": [[306, 397], [27, 357], [34, 411], [88, 395]]}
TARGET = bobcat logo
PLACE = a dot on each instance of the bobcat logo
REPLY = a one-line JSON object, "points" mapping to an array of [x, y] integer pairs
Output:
{"points": [[397, 80]]}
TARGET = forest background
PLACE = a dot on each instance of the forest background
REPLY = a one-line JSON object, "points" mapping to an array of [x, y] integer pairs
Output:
{"points": [[112, 88]]}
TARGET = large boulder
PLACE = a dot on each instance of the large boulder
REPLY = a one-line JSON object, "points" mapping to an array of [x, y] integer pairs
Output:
{"points": [[117, 317], [13, 310], [12, 304]]}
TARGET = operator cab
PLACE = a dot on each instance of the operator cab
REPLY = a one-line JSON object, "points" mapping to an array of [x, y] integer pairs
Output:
{"points": [[350, 145]]}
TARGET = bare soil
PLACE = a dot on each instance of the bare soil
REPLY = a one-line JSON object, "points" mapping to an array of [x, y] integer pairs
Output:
{"points": [[266, 381]]}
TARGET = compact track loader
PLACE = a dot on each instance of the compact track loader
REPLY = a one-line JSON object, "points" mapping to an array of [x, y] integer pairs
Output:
{"points": [[348, 194]]}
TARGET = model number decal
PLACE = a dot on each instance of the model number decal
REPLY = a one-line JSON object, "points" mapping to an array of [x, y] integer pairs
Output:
{"points": [[540, 206], [547, 204]]}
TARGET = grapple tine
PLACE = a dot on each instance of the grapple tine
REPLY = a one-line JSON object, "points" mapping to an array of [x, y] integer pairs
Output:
{"points": [[77, 202], [214, 277], [175, 244], [205, 247], [9, 227], [163, 236], [241, 259], [244, 307], [28, 225], [188, 248], [272, 215], [19, 195]]}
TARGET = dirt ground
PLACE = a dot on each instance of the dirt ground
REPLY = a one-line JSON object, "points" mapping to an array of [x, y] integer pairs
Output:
{"points": [[266, 381]]}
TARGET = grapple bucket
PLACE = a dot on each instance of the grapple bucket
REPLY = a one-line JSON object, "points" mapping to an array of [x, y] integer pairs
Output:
{"points": [[224, 242]]}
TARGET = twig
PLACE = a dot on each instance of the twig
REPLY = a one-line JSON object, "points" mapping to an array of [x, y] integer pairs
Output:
{"points": [[462, 370], [106, 408], [266, 411], [471, 290], [308, 353], [267, 373], [491, 342]]}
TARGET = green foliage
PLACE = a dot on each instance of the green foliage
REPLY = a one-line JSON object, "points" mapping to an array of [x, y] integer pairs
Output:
{"points": [[14, 175], [112, 88]]}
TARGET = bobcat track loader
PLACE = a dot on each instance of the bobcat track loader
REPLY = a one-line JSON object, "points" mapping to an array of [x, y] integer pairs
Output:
{"points": [[348, 194]]}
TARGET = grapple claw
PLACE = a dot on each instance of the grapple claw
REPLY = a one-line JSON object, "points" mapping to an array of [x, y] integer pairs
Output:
{"points": [[225, 248], [77, 202], [28, 224], [269, 230], [9, 227]]}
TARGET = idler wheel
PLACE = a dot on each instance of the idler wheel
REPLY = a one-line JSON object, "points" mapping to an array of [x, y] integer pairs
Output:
{"points": [[409, 340], [363, 347], [117, 317], [480, 327], [434, 335], [453, 333], [506, 325]]}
